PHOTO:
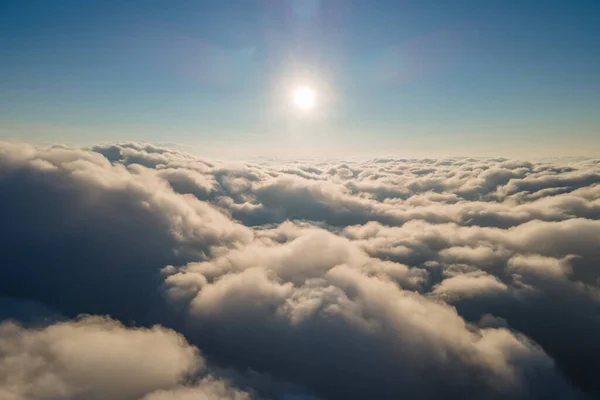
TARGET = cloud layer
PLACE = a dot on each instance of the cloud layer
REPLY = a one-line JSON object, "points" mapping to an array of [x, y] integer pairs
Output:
{"points": [[313, 279]]}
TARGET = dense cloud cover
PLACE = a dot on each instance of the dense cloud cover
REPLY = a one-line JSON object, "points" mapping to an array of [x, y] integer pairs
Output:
{"points": [[131, 271]]}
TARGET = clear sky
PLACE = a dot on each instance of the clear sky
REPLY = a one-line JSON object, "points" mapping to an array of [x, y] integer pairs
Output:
{"points": [[511, 78]]}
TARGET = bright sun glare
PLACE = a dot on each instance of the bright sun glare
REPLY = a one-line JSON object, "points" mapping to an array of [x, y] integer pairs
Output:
{"points": [[304, 97]]}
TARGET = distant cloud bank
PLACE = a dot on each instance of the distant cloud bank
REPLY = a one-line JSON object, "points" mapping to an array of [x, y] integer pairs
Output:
{"points": [[132, 271]]}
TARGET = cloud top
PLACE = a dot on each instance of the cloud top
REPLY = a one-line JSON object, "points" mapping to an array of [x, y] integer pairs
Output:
{"points": [[452, 278]]}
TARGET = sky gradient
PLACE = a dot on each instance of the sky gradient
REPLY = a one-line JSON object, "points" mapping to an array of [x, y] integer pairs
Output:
{"points": [[427, 78]]}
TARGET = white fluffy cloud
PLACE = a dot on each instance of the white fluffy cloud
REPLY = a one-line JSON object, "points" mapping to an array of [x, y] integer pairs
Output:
{"points": [[387, 278], [98, 358]]}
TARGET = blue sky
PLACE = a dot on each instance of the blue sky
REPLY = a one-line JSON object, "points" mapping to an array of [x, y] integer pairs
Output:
{"points": [[392, 77]]}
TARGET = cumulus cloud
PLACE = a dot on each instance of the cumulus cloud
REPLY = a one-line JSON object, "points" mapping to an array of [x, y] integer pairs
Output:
{"points": [[384, 278], [469, 285], [98, 358], [74, 225]]}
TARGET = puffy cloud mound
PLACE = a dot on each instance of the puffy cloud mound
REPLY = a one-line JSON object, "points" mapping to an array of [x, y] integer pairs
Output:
{"points": [[99, 358], [387, 278]]}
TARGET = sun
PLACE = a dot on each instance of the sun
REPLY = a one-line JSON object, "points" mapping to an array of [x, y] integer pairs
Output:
{"points": [[304, 97]]}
